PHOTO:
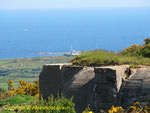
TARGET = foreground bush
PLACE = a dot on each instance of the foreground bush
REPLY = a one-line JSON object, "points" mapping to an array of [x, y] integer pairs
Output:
{"points": [[135, 108], [25, 88]]}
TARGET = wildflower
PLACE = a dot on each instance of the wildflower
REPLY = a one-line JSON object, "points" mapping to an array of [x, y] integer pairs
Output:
{"points": [[25, 88], [90, 112], [131, 108], [110, 111], [136, 103]]}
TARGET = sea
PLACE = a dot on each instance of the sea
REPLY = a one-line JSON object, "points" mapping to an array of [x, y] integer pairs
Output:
{"points": [[23, 33]]}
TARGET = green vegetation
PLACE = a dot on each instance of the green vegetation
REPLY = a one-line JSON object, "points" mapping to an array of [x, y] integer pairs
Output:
{"points": [[58, 105], [17, 100], [27, 104], [134, 55], [7, 112], [25, 99], [27, 69], [135, 66], [25, 88], [138, 50], [3, 94], [104, 58]]}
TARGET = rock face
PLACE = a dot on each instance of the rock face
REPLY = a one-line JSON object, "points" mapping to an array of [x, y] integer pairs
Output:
{"points": [[97, 86]]}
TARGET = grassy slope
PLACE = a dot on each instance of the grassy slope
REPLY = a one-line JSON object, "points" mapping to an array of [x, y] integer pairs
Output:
{"points": [[25, 69], [17, 100], [103, 58]]}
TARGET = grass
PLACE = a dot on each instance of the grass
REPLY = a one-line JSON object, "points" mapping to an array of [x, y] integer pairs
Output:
{"points": [[27, 104], [17, 100], [4, 86], [104, 58], [7, 112]]}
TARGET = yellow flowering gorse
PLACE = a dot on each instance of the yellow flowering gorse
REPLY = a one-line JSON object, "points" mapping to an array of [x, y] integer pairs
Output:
{"points": [[25, 88], [116, 110]]}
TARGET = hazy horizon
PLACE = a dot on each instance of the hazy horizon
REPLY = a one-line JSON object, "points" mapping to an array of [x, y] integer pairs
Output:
{"points": [[48, 4]]}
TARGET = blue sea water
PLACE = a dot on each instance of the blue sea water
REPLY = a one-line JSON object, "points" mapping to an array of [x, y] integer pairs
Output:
{"points": [[25, 32]]}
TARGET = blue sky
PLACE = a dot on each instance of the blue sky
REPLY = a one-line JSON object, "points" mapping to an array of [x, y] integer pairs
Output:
{"points": [[42, 4]]}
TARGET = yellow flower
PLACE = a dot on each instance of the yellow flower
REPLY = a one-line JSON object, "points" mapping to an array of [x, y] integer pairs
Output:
{"points": [[10, 82], [132, 46], [25, 88], [114, 109], [136, 103], [132, 108], [109, 111], [90, 112]]}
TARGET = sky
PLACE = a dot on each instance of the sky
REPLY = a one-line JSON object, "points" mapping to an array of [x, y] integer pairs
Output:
{"points": [[45, 4]]}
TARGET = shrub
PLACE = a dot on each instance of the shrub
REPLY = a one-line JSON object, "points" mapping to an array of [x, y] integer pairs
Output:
{"points": [[10, 84], [25, 88], [145, 51], [138, 50], [133, 50], [137, 107]]}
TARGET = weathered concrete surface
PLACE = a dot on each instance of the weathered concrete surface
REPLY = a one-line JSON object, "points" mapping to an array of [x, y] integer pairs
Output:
{"points": [[68, 73], [107, 86], [68, 80], [136, 88], [81, 87], [50, 79]]}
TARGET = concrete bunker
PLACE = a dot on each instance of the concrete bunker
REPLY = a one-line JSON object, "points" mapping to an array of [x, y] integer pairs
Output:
{"points": [[88, 85]]}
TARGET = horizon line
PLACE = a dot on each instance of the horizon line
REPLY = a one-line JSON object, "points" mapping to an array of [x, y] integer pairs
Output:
{"points": [[75, 8]]}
